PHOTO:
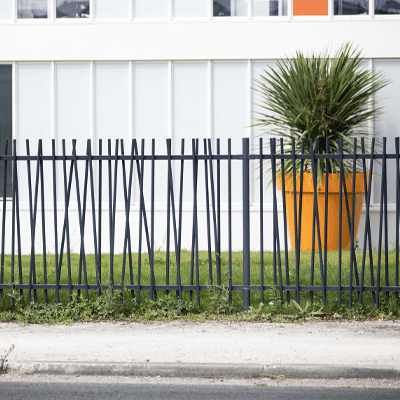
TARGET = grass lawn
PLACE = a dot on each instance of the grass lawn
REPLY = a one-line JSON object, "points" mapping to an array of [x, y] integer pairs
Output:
{"points": [[204, 274]]}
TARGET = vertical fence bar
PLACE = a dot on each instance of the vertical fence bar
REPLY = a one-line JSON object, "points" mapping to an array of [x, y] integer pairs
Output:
{"points": [[81, 218], [99, 219], [66, 220], [367, 230], [314, 162], [397, 214], [141, 201], [296, 232], [168, 239], [14, 192], [219, 212], [210, 274], [32, 265], [127, 235], [216, 233], [230, 219], [341, 176], [43, 211], [93, 200], [151, 259], [114, 207], [21, 293], [53, 162], [172, 197], [274, 211], [383, 189], [301, 194], [386, 223], [246, 222], [285, 236], [261, 220], [277, 246], [352, 247], [143, 209], [195, 238], [3, 224], [178, 255], [327, 170]]}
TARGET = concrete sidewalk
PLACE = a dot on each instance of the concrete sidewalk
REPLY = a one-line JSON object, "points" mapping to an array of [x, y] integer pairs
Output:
{"points": [[309, 350]]}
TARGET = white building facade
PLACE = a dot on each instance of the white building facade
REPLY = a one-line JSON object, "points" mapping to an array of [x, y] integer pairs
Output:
{"points": [[124, 69]]}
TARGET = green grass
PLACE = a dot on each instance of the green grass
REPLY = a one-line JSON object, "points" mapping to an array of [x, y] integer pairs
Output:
{"points": [[212, 303]]}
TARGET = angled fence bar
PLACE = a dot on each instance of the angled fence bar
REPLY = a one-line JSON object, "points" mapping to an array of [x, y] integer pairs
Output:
{"points": [[68, 215]]}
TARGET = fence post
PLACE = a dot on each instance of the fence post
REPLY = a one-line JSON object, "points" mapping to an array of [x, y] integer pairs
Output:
{"points": [[246, 223]]}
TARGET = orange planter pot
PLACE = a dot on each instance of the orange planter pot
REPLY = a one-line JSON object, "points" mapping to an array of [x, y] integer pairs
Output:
{"points": [[333, 210]]}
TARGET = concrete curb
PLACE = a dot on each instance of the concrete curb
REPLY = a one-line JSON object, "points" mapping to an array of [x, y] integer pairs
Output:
{"points": [[180, 370]]}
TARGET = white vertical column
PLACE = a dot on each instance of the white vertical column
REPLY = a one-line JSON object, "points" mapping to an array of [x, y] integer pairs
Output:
{"points": [[15, 10], [91, 10], [290, 9], [131, 101], [210, 9], [371, 8], [53, 99], [249, 119], [170, 9], [14, 101], [170, 100], [131, 9], [210, 114], [280, 8], [331, 5], [250, 9], [92, 102]]}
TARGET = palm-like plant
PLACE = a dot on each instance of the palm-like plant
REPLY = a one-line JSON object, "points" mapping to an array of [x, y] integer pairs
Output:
{"points": [[318, 97]]}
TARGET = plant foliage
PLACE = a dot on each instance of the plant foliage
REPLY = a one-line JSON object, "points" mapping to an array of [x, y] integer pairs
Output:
{"points": [[310, 99]]}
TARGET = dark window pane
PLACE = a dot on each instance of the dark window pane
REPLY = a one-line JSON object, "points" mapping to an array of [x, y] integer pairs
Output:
{"points": [[73, 9], [387, 6], [351, 7], [32, 8], [5, 123], [222, 8]]}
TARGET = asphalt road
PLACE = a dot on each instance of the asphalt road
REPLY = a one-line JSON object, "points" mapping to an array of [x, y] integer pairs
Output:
{"points": [[99, 391]]}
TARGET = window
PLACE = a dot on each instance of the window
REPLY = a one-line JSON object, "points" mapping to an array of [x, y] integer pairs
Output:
{"points": [[351, 7], [5, 123], [32, 8], [387, 6], [73, 9], [230, 8]]}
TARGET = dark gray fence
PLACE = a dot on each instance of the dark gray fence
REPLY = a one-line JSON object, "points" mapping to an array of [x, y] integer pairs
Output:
{"points": [[379, 266]]}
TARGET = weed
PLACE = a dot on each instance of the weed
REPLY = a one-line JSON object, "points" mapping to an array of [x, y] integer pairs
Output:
{"points": [[3, 360]]}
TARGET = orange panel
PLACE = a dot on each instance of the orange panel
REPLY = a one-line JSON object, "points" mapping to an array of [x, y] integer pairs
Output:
{"points": [[310, 7]]}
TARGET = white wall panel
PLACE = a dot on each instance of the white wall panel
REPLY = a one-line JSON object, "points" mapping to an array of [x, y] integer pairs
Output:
{"points": [[5, 9], [257, 133], [190, 117], [72, 115], [112, 112], [81, 41], [33, 99], [112, 100], [191, 8], [112, 8], [388, 125], [150, 8], [151, 120], [230, 104]]}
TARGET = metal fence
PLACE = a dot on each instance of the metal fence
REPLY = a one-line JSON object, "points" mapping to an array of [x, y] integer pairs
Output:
{"points": [[365, 270]]}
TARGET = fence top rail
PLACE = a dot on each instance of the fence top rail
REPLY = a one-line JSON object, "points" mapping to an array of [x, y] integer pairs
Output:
{"points": [[181, 157]]}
